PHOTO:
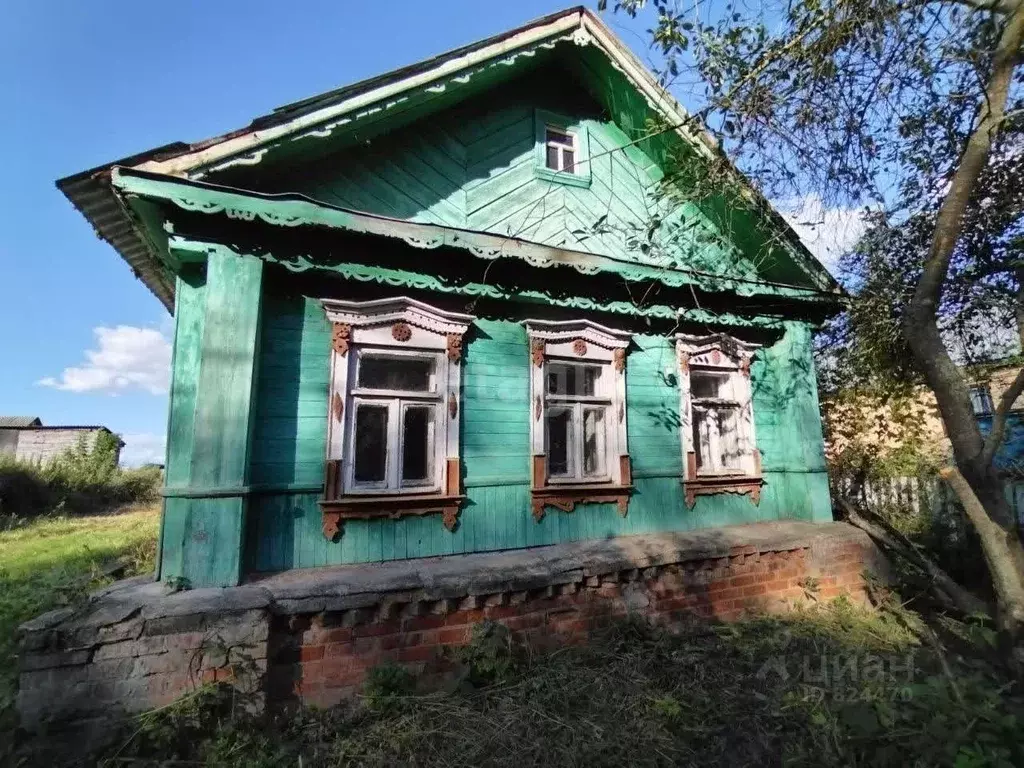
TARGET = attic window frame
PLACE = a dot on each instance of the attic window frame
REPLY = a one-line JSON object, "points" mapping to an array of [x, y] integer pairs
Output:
{"points": [[544, 121]]}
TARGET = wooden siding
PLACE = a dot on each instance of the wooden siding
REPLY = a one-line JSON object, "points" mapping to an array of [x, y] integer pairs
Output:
{"points": [[211, 412], [284, 528], [474, 167]]}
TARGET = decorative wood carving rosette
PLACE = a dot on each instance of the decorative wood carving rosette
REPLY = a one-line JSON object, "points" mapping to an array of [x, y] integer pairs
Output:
{"points": [[401, 331], [579, 347], [537, 352], [340, 337], [454, 350], [619, 359]]}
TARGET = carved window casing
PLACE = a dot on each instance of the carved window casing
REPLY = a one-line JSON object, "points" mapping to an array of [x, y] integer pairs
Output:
{"points": [[578, 415], [393, 429], [717, 417]]}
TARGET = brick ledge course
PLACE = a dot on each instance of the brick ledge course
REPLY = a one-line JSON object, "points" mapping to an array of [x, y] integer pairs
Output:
{"points": [[310, 635]]}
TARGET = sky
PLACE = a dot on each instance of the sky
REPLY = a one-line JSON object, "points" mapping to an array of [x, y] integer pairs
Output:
{"points": [[84, 83]]}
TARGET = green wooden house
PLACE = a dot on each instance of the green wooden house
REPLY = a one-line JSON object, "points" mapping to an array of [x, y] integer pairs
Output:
{"points": [[460, 307]]}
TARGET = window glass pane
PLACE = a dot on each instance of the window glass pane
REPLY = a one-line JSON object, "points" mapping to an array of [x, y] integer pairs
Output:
{"points": [[729, 439], [410, 374], [568, 161], [559, 137], [569, 380], [709, 385], [552, 158], [371, 443], [593, 441], [418, 444], [701, 447], [981, 400], [560, 441]]}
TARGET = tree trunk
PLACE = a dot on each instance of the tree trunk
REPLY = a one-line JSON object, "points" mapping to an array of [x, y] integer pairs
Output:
{"points": [[1004, 555], [976, 482]]}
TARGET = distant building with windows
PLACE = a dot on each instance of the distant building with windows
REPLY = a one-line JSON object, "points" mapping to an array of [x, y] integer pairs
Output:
{"points": [[868, 424]]}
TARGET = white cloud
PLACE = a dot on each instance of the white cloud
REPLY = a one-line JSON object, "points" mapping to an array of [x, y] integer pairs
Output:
{"points": [[125, 358], [828, 233], [142, 448]]}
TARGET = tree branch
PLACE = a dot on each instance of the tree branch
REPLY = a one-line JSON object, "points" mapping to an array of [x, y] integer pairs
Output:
{"points": [[921, 323], [996, 6], [999, 417]]}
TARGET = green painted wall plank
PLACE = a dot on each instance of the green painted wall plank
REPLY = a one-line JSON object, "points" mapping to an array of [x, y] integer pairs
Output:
{"points": [[495, 434], [216, 347]]}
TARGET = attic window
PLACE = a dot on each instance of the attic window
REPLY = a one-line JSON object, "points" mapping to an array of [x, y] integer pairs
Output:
{"points": [[560, 150]]}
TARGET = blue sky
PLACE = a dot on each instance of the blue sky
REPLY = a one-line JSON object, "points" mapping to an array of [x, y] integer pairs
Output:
{"points": [[83, 83]]}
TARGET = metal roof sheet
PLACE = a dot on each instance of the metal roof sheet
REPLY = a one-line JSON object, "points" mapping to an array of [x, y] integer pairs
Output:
{"points": [[18, 422]]}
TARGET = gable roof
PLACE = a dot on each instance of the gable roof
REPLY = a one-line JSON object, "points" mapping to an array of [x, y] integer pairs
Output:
{"points": [[20, 422], [94, 195]]}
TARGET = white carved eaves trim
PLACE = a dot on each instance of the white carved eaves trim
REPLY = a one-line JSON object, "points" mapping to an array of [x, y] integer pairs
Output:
{"points": [[378, 312], [562, 331]]}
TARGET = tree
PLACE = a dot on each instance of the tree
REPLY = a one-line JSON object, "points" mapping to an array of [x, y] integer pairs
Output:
{"points": [[913, 107]]}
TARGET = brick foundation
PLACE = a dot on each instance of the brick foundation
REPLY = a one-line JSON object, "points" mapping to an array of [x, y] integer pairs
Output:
{"points": [[311, 636]]}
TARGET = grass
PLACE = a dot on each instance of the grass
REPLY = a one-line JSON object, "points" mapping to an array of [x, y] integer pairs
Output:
{"points": [[50, 562], [832, 686]]}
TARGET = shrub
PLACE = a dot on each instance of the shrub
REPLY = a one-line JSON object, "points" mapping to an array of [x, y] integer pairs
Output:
{"points": [[82, 480]]}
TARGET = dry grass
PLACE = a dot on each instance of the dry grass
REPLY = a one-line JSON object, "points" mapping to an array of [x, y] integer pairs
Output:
{"points": [[748, 694], [53, 561]]}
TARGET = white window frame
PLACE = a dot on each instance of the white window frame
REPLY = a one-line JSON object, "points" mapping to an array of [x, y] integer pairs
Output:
{"points": [[730, 357], [579, 342], [981, 394], [572, 134], [398, 327]]}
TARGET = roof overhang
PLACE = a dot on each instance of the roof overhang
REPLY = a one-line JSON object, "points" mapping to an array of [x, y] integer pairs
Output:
{"points": [[93, 192], [294, 210]]}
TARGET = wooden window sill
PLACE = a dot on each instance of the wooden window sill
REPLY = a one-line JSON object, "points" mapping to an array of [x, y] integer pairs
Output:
{"points": [[566, 496], [708, 485], [393, 506]]}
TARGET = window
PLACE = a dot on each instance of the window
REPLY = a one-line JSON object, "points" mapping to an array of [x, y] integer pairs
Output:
{"points": [[397, 405], [716, 414], [981, 399], [560, 150], [393, 436], [578, 424], [575, 407]]}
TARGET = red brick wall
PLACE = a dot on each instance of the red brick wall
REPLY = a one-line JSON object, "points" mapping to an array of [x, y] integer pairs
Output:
{"points": [[141, 647], [323, 658]]}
